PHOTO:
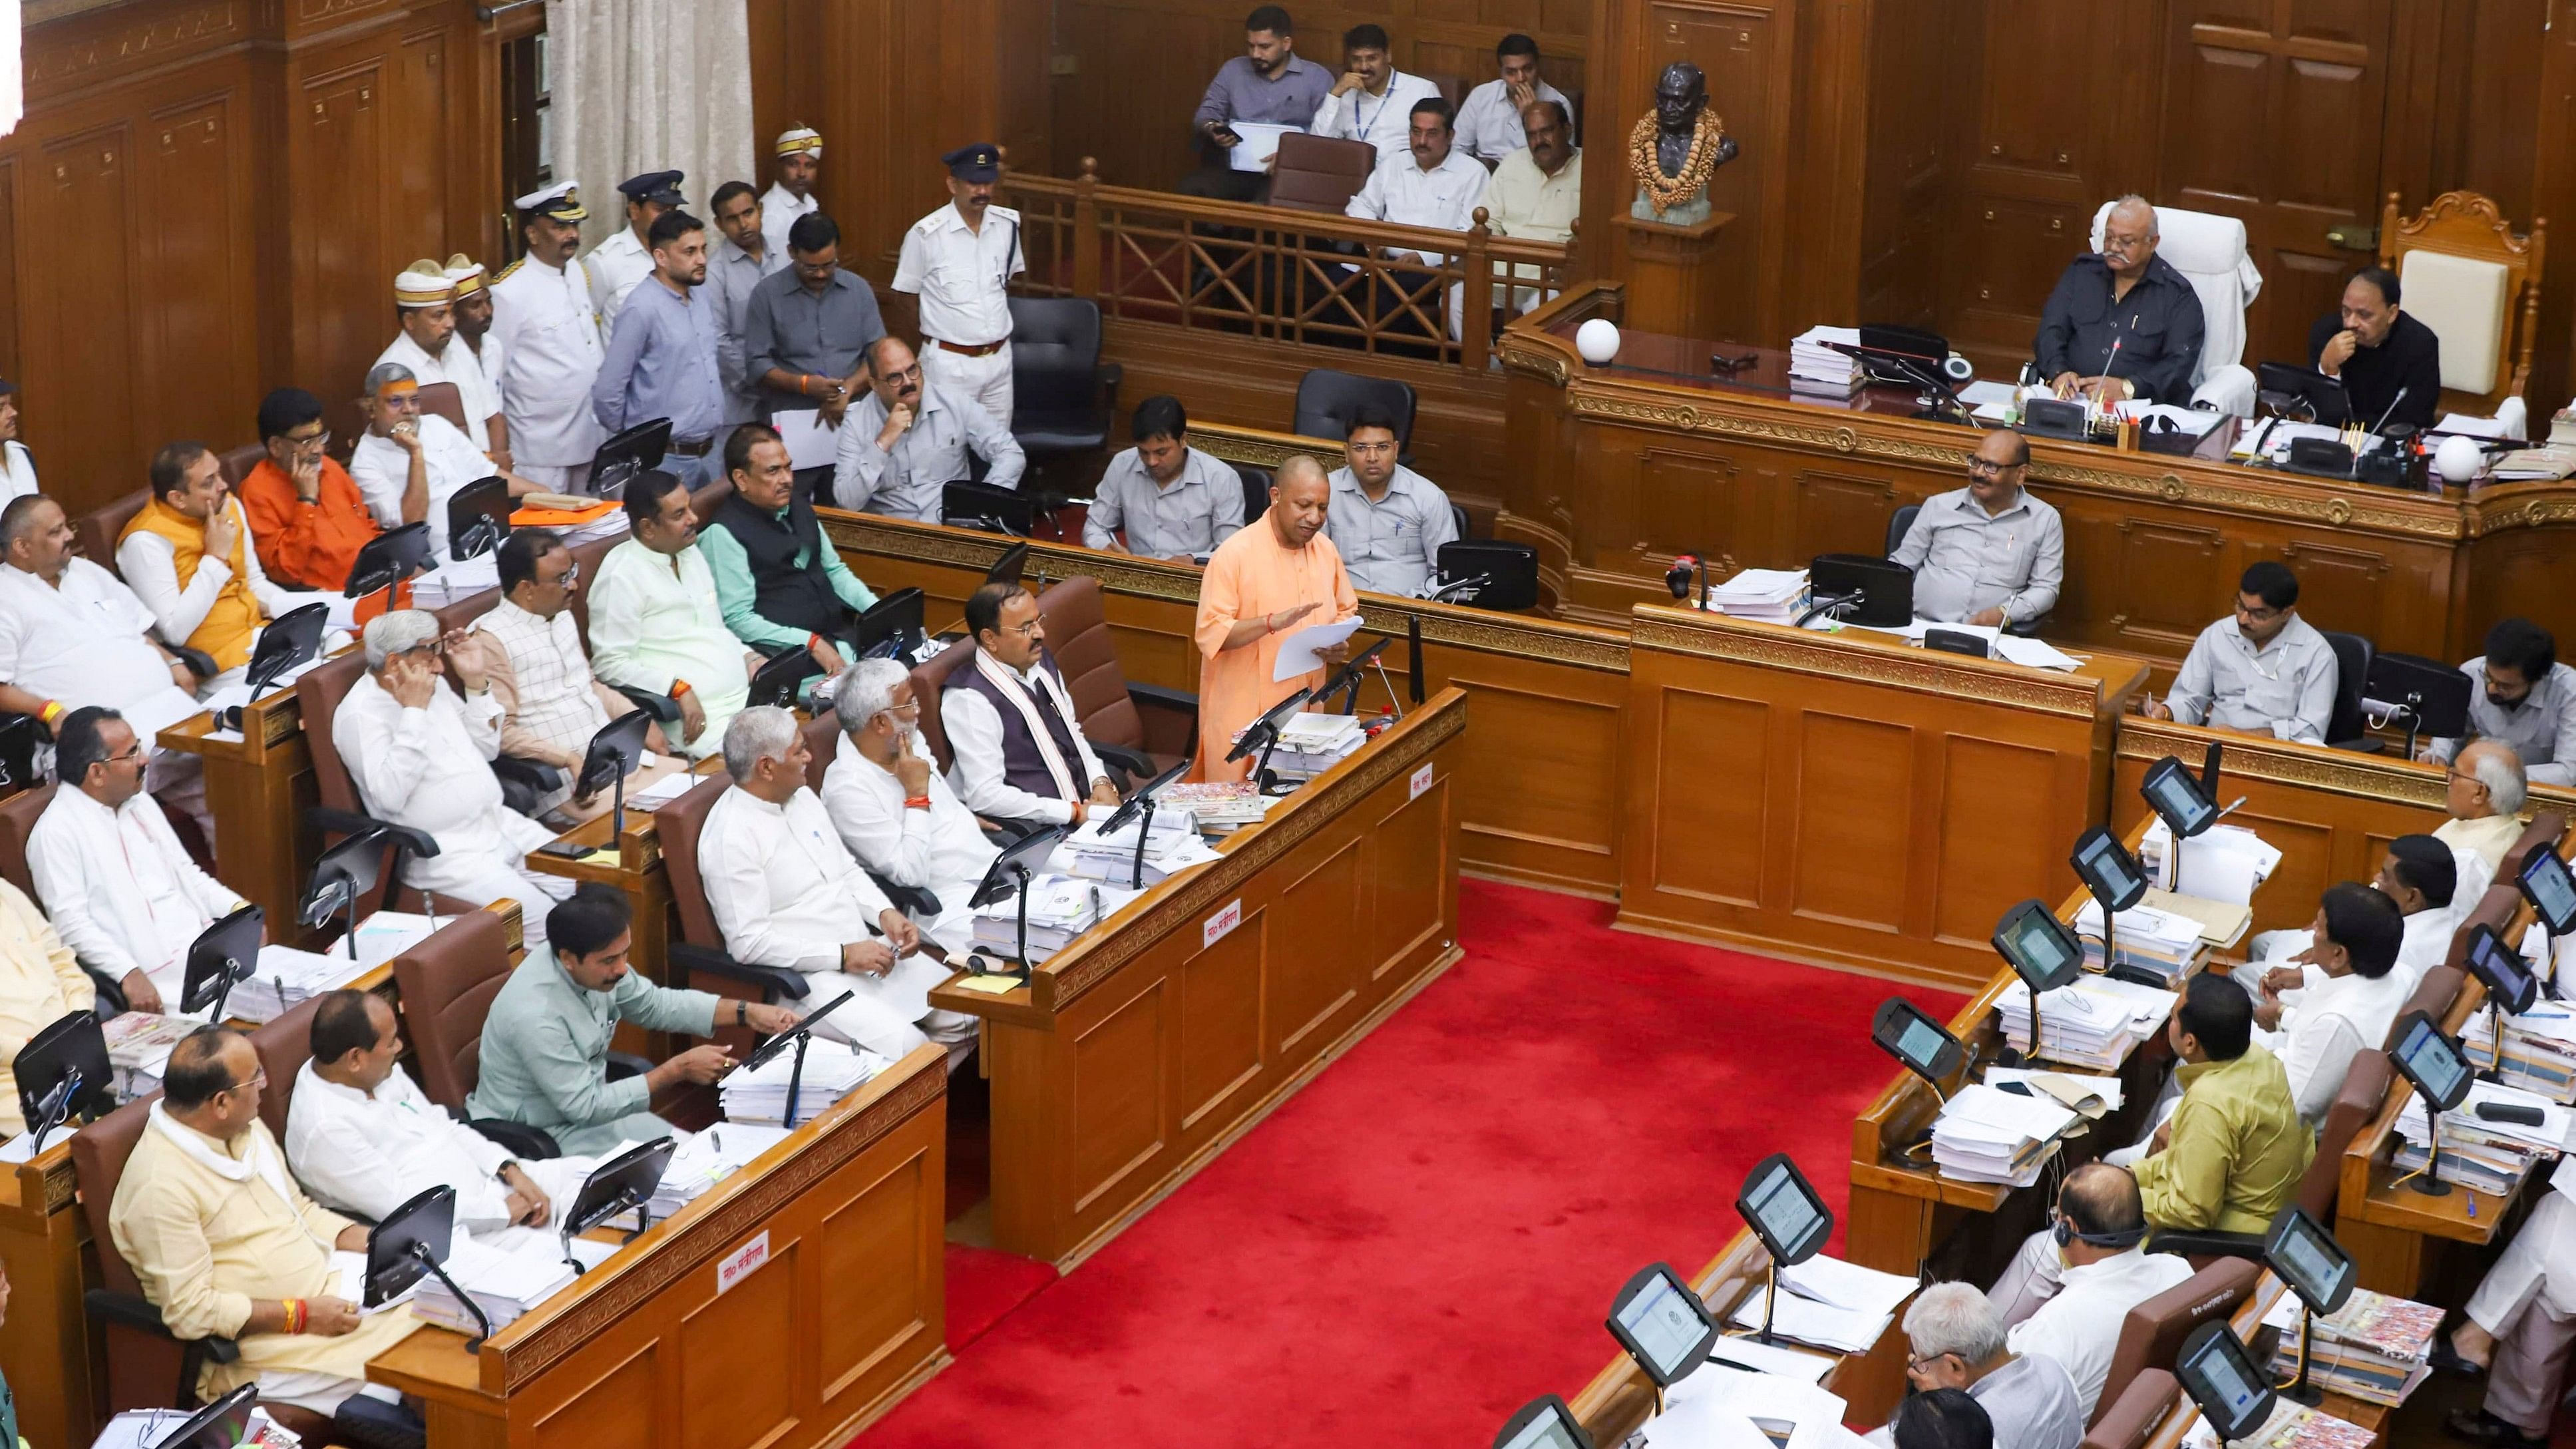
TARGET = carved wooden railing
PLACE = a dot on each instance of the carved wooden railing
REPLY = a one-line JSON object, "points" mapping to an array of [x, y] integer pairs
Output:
{"points": [[1275, 273]]}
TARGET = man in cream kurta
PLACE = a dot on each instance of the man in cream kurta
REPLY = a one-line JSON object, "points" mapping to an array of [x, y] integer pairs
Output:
{"points": [[550, 706], [422, 757], [893, 809], [2487, 787], [227, 1245], [40, 984], [656, 623], [125, 895], [786, 893], [1277, 575]]}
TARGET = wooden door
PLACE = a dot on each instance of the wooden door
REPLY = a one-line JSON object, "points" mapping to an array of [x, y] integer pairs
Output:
{"points": [[2272, 114]]}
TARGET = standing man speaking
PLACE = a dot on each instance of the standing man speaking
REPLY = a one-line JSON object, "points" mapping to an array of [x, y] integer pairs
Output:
{"points": [[960, 260]]}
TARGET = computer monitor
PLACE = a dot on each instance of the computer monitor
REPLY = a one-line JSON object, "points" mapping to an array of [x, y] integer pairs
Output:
{"points": [[1008, 569], [1908, 1033], [2421, 696], [224, 1424], [19, 736], [891, 628], [2430, 1060], [2178, 798], [622, 457], [222, 956], [1883, 591], [994, 510], [1784, 1210], [2509, 980], [428, 1221], [2307, 1257], [70, 1043], [1662, 1324], [2041, 949], [2545, 883], [342, 875], [2234, 1395], [478, 518], [1543, 1423], [2108, 870], [289, 640], [1488, 574]]}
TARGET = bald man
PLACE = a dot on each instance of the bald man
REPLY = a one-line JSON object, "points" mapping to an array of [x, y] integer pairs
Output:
{"points": [[1272, 578], [2122, 322], [1989, 553]]}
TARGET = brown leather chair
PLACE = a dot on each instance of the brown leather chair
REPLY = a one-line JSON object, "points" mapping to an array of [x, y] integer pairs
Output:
{"points": [[2435, 993], [1451, 86], [704, 502], [701, 946], [2152, 1334], [927, 680], [447, 981], [1320, 173], [2129, 1421], [318, 694], [443, 399], [18, 816], [237, 463], [466, 610], [822, 740], [2543, 833], [94, 534], [586, 557], [284, 1046], [1142, 729]]}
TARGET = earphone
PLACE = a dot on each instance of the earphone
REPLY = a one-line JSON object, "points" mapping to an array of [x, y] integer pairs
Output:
{"points": [[2065, 1233]]}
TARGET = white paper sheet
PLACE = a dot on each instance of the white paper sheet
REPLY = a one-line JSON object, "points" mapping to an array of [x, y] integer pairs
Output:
{"points": [[809, 443], [1260, 143], [1297, 656], [1848, 1285], [1746, 1352]]}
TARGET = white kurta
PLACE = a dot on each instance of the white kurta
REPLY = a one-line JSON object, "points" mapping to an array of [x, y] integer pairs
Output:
{"points": [[121, 890], [2080, 1326], [18, 479], [975, 744], [459, 365], [779, 209], [655, 620], [369, 1153], [548, 329], [382, 470], [785, 893], [615, 266], [82, 643], [941, 848], [430, 769], [2332, 1022]]}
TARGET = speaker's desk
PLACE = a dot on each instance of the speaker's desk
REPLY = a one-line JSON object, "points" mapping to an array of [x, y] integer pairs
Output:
{"points": [[1146, 1047], [1850, 798], [786, 1307]]}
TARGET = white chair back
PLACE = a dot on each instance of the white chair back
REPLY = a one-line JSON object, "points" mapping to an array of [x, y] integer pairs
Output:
{"points": [[2464, 301], [2209, 250]]}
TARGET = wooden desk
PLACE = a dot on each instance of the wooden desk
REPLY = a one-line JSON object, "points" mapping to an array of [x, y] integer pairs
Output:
{"points": [[2332, 812], [1145, 1048], [1618, 468], [258, 788], [653, 1349], [1906, 797], [1621, 1399], [2247, 1321]]}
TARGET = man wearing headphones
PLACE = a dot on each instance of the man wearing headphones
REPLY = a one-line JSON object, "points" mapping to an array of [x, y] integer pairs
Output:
{"points": [[2068, 1289]]}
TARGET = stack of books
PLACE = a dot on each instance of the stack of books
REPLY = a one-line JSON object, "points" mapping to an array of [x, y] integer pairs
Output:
{"points": [[2372, 1349], [2093, 1021], [505, 1285], [709, 1157], [1061, 907], [1770, 595], [2539, 1053], [759, 1094], [1173, 846], [1986, 1134], [138, 1049], [2490, 1157], [1818, 370], [2223, 863], [1217, 805], [1314, 743], [2166, 944]]}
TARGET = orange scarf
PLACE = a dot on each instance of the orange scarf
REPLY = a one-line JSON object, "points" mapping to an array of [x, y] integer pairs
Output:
{"points": [[226, 630]]}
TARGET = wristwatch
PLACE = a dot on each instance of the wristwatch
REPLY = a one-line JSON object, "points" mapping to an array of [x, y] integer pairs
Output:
{"points": [[741, 1012], [2128, 387]]}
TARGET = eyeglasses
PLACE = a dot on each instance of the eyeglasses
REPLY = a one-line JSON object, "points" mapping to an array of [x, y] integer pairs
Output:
{"points": [[319, 440], [402, 401], [129, 755], [257, 1079], [2466, 777], [570, 576], [1918, 1365], [2259, 613], [1987, 467], [1028, 630]]}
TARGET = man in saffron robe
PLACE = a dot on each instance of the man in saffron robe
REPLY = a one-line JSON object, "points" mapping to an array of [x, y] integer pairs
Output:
{"points": [[1276, 576]]}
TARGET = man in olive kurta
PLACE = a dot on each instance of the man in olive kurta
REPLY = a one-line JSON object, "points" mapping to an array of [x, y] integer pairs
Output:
{"points": [[2232, 1155], [545, 1042]]}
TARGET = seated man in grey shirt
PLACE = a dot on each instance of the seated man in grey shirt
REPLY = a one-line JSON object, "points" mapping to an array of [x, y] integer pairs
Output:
{"points": [[1989, 553], [2261, 671], [907, 439], [1174, 501], [1956, 1341], [2525, 698], [1385, 520]]}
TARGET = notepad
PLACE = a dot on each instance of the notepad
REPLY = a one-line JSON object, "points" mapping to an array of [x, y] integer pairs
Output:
{"points": [[1297, 654], [811, 443], [989, 985]]}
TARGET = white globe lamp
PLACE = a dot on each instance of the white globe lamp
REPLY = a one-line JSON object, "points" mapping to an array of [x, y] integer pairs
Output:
{"points": [[1597, 340], [2457, 460]]}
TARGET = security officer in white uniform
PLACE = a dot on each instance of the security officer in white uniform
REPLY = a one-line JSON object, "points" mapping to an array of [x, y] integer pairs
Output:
{"points": [[960, 260], [550, 349], [623, 260], [800, 160]]}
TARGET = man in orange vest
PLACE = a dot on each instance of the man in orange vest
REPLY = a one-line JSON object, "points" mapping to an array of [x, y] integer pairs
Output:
{"points": [[188, 556]]}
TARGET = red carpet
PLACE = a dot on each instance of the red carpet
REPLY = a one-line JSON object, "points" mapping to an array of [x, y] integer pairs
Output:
{"points": [[1429, 1233], [984, 1286]]}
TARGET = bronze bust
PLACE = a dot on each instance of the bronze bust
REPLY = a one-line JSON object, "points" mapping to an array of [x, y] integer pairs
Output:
{"points": [[1673, 151]]}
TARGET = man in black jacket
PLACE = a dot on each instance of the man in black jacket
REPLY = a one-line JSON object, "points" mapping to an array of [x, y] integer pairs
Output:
{"points": [[2122, 322]]}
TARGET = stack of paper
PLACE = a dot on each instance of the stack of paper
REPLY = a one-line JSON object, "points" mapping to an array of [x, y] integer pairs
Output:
{"points": [[2092, 1021], [1217, 804], [287, 978], [2374, 1348], [707, 1158], [2223, 863], [1818, 1325], [2539, 1049], [1986, 1134], [2089, 1095], [1173, 846], [1767, 594], [1060, 907], [2165, 943], [1314, 743], [1722, 1405], [1815, 367], [759, 1094], [2488, 1156], [138, 1048], [503, 1284]]}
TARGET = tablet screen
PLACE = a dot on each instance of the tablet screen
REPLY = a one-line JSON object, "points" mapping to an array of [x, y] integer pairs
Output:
{"points": [[2106, 865], [2225, 1381], [2502, 968], [2435, 1066], [2552, 893], [1664, 1325], [1783, 1210], [2175, 795], [1921, 1043], [2036, 948], [1548, 1431], [2317, 1269]]}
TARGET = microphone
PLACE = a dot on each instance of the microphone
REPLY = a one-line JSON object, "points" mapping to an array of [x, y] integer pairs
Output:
{"points": [[2392, 407], [1678, 577]]}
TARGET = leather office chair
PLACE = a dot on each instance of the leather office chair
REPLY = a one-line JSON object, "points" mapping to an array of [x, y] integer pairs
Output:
{"points": [[2364, 1089], [2543, 833], [2212, 254], [2345, 728], [237, 463], [1063, 395], [18, 816], [927, 680], [1901, 525], [704, 503], [2477, 285], [1256, 490], [2435, 993], [2129, 1421], [1326, 398], [318, 694], [284, 1046], [701, 945], [2151, 1336], [1319, 173], [94, 533], [447, 981], [444, 399], [147, 1368], [1451, 86], [1142, 729]]}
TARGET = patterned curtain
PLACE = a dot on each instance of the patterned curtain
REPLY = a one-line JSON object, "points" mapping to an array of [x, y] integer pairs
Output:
{"points": [[648, 85]]}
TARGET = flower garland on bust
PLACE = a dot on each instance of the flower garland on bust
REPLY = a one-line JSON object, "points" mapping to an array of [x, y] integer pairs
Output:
{"points": [[1708, 133]]}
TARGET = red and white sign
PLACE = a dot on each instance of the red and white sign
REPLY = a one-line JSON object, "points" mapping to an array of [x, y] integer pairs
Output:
{"points": [[1421, 781], [742, 1262], [1222, 924]]}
